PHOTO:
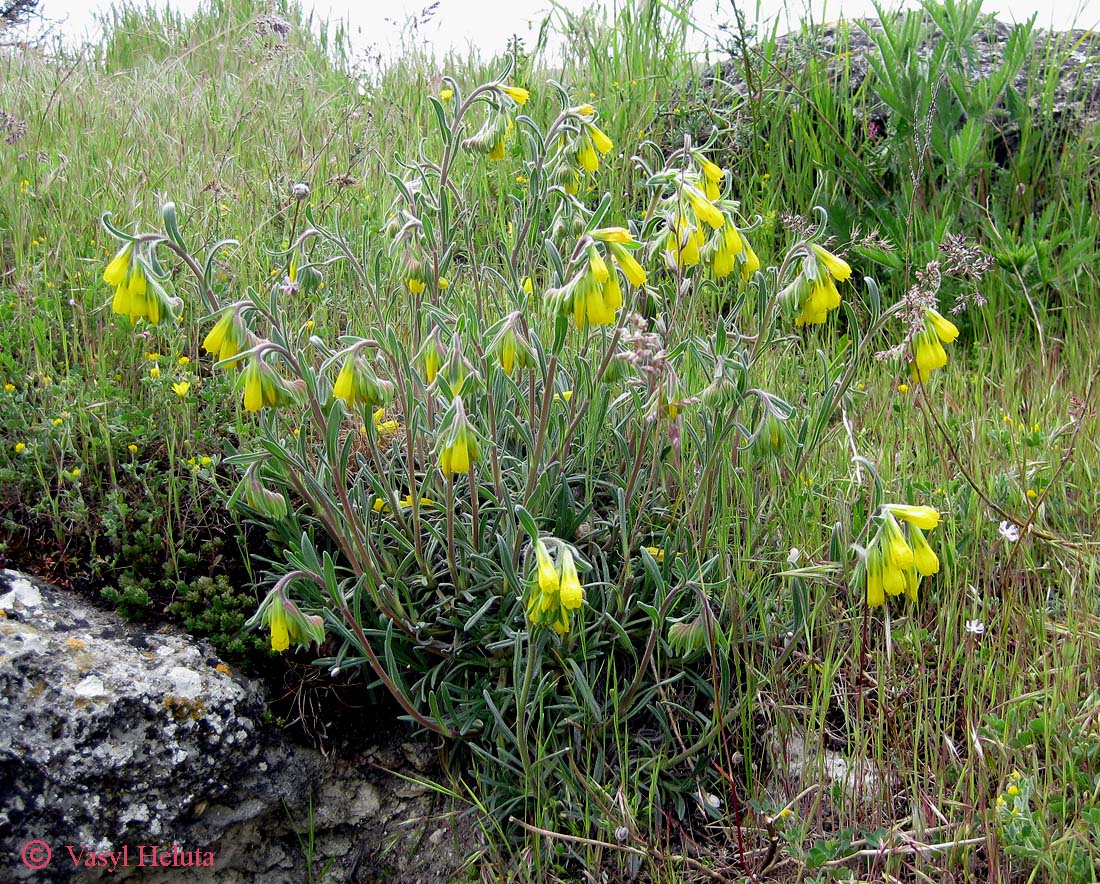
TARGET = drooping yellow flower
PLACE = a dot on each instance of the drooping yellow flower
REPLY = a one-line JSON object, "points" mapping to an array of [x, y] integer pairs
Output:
{"points": [[548, 578], [924, 558], [287, 622], [253, 387], [460, 447], [597, 265], [944, 328], [280, 636], [265, 387], [750, 263], [712, 177], [634, 272], [228, 337], [587, 157], [518, 94], [682, 245], [704, 208], [928, 355], [599, 138], [899, 554], [924, 517], [358, 385], [571, 592], [837, 267], [119, 266]]}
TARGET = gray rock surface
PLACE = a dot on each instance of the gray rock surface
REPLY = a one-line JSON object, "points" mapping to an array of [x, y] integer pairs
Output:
{"points": [[848, 46], [115, 740]]}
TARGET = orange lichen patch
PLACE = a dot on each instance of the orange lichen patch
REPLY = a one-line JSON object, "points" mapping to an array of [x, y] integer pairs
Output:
{"points": [[76, 644], [222, 668]]}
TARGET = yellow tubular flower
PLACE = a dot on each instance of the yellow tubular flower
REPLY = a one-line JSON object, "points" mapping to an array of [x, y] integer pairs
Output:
{"points": [[416, 286], [682, 245], [253, 386], [711, 171], [893, 579], [612, 295], [136, 290], [344, 388], [518, 94], [944, 328], [928, 355], [496, 152], [587, 157], [598, 311], [899, 554], [455, 458], [115, 272], [612, 235], [634, 272], [223, 340], [597, 265], [750, 262], [838, 267], [924, 517], [599, 138], [548, 577], [280, 637], [924, 558], [570, 591], [704, 208]]}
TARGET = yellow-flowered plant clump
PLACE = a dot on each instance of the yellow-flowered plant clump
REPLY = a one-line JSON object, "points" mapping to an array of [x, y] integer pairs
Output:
{"points": [[554, 591], [896, 563], [928, 351], [813, 293]]}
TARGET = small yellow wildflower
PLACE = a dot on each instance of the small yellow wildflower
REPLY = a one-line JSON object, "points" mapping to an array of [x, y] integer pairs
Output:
{"points": [[154, 372], [9, 388], [75, 473], [521, 179], [206, 460], [658, 554], [184, 360], [903, 388], [182, 388], [20, 447], [57, 422], [1032, 494], [309, 325], [383, 426], [132, 448], [444, 283], [152, 357]]}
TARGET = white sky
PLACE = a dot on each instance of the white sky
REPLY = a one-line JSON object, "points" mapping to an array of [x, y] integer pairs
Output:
{"points": [[488, 24]]}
